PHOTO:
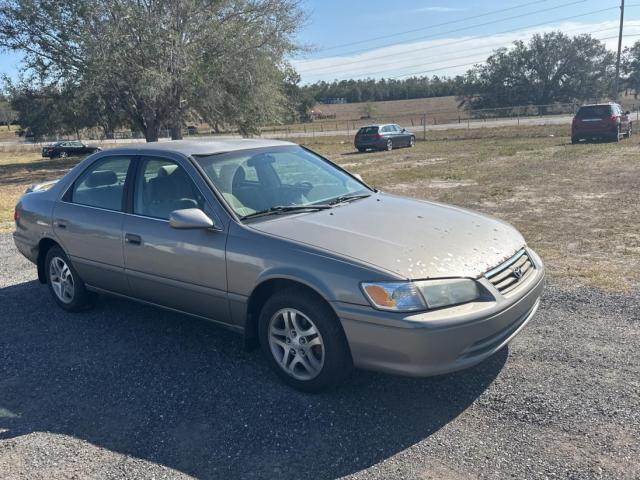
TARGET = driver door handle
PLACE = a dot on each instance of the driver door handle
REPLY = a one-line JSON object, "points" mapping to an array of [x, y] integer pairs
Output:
{"points": [[132, 239]]}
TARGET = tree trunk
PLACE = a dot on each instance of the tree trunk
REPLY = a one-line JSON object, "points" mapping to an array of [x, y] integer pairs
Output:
{"points": [[151, 131], [175, 130]]}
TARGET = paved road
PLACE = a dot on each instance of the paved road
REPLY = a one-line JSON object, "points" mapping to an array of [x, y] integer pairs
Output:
{"points": [[127, 391], [314, 130]]}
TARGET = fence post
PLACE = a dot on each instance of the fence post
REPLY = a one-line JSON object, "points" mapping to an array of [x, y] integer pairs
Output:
{"points": [[424, 127]]}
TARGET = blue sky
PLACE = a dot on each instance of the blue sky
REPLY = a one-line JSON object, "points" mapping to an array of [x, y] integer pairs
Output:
{"points": [[470, 33], [342, 33]]}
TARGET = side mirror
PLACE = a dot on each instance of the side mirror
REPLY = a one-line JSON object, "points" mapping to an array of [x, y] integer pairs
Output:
{"points": [[190, 219], [404, 130]]}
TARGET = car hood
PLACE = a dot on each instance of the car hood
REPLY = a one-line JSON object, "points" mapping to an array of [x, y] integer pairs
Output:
{"points": [[412, 238]]}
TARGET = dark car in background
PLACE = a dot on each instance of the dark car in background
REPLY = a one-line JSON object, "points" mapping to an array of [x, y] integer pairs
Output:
{"points": [[383, 137], [68, 149], [606, 121]]}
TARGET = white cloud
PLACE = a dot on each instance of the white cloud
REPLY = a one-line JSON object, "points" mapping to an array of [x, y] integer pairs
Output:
{"points": [[447, 56], [440, 9]]}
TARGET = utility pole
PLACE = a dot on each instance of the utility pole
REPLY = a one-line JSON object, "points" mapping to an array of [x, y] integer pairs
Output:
{"points": [[616, 81]]}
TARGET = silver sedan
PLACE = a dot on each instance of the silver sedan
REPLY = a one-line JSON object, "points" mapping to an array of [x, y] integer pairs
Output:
{"points": [[269, 239]]}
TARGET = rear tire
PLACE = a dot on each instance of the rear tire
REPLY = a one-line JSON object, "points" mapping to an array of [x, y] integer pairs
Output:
{"points": [[412, 142], [575, 140], [616, 137], [389, 145], [66, 287], [303, 342], [63, 154], [362, 150]]}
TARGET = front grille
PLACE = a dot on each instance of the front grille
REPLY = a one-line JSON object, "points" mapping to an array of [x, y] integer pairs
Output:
{"points": [[511, 273]]}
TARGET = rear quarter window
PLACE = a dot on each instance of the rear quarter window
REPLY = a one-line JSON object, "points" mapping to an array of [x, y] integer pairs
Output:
{"points": [[368, 130]]}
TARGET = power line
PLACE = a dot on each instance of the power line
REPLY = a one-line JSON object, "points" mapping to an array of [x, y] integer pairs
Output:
{"points": [[492, 22], [484, 48], [373, 39], [455, 42], [479, 62]]}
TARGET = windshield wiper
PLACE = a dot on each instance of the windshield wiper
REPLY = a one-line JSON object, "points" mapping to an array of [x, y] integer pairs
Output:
{"points": [[349, 198], [284, 209]]}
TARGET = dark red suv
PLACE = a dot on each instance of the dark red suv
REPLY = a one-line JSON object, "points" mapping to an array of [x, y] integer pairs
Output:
{"points": [[600, 121]]}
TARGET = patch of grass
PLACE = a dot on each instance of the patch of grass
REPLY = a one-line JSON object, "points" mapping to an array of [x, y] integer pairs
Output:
{"points": [[18, 170]]}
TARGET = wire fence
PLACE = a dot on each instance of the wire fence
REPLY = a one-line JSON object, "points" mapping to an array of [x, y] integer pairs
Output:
{"points": [[418, 122]]}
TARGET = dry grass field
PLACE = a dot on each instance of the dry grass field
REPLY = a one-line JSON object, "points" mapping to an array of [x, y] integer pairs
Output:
{"points": [[577, 205]]}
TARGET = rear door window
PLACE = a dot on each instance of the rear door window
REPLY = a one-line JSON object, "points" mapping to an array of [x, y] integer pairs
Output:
{"points": [[369, 130], [102, 184]]}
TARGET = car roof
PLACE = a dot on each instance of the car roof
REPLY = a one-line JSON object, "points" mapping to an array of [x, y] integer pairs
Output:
{"points": [[202, 147], [378, 125], [608, 104]]}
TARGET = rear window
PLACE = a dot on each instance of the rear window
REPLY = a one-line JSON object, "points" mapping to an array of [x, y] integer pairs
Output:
{"points": [[368, 130], [594, 111]]}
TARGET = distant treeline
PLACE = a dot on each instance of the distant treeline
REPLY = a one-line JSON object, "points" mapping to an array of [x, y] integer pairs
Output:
{"points": [[370, 90]]}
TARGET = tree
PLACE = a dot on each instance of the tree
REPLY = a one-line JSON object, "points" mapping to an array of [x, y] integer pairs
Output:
{"points": [[7, 114], [631, 68], [551, 67], [36, 110], [157, 61]]}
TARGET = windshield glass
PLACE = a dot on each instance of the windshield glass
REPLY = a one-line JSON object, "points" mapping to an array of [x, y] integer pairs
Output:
{"points": [[261, 179]]}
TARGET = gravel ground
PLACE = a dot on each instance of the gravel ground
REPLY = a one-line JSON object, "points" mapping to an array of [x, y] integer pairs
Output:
{"points": [[128, 391]]}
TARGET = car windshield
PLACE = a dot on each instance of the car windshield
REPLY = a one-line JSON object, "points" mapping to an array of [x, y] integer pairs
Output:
{"points": [[594, 111], [281, 179]]}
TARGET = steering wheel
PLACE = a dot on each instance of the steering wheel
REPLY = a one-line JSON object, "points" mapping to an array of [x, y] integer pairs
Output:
{"points": [[304, 186]]}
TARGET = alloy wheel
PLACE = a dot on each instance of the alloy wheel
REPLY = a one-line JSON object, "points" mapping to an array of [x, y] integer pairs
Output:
{"points": [[389, 145], [296, 344], [62, 281]]}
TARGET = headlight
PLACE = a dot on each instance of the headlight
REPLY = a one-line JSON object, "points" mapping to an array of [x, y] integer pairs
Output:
{"points": [[423, 295], [440, 293]]}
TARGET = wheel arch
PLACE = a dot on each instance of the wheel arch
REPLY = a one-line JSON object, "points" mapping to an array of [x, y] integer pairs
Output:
{"points": [[44, 246], [262, 292]]}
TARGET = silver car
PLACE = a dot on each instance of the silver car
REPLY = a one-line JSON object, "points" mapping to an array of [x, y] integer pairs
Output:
{"points": [[279, 244]]}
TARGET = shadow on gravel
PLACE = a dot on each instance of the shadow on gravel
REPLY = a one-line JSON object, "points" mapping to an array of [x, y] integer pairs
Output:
{"points": [[182, 393]]}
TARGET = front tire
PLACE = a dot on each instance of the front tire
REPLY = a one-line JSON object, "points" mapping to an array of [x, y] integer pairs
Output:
{"points": [[303, 341], [412, 142], [63, 154], [66, 286]]}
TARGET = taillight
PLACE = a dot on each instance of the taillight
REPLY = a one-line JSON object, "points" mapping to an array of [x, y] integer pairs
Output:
{"points": [[613, 119], [378, 136]]}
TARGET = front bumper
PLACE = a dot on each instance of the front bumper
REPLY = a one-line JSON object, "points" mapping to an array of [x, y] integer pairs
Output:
{"points": [[440, 341]]}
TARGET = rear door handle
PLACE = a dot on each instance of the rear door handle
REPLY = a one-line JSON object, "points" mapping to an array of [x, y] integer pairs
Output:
{"points": [[60, 224], [132, 239]]}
